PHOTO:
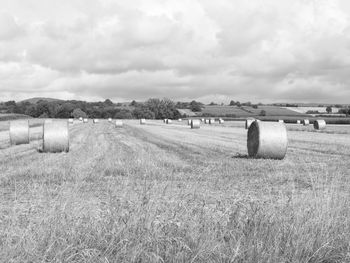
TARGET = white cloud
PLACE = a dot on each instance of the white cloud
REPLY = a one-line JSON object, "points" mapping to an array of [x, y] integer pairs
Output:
{"points": [[248, 50]]}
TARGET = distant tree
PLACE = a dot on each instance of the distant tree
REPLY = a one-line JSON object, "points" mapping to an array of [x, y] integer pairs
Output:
{"points": [[232, 103], [77, 113], [108, 102], [195, 106], [133, 103], [262, 113], [329, 109], [238, 104], [143, 112], [123, 114], [255, 106], [212, 103], [31, 111]]}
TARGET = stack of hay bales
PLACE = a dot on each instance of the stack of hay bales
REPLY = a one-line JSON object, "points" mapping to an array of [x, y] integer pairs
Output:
{"points": [[221, 121], [95, 121], [298, 121], [248, 122], [306, 122], [109, 119], [212, 121], [19, 132], [189, 121], [56, 137], [142, 121], [168, 121], [320, 124], [118, 123], [70, 121], [267, 140], [195, 124], [85, 120]]}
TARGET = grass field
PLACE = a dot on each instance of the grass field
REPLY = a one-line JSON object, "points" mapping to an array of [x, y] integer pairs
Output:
{"points": [[166, 193]]}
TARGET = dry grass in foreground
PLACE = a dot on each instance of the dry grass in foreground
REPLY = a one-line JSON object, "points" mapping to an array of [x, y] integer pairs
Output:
{"points": [[165, 193]]}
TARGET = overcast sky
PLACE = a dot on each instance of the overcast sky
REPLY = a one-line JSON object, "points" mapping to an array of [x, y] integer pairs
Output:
{"points": [[212, 50]]}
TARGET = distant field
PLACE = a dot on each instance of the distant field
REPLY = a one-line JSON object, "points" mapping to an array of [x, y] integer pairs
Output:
{"points": [[12, 116], [166, 193]]}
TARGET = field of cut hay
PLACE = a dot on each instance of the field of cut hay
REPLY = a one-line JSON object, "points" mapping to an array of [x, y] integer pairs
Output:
{"points": [[169, 193]]}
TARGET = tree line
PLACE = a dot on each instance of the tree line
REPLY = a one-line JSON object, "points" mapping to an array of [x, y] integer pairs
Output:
{"points": [[153, 108]]}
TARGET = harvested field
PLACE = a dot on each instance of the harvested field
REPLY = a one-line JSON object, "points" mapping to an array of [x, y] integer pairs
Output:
{"points": [[168, 193]]}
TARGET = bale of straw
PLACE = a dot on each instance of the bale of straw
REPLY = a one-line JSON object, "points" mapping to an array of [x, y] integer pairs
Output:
{"points": [[248, 122], [306, 122], [168, 121], [80, 118], [142, 121], [189, 121], [95, 121], [48, 121], [267, 140], [164, 120], [202, 120], [56, 137], [221, 121], [118, 123], [298, 121], [195, 124], [206, 121], [19, 132], [212, 121], [85, 120], [281, 121], [70, 121], [109, 119], [320, 124], [179, 120]]}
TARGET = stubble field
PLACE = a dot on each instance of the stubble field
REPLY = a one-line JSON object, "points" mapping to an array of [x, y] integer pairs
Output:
{"points": [[166, 193]]}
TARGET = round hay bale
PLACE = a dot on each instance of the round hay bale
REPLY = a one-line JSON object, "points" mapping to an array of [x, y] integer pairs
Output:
{"points": [[19, 132], [85, 120], [298, 121], [164, 120], [189, 121], [95, 121], [248, 122], [70, 121], [109, 119], [142, 121], [168, 121], [118, 123], [281, 121], [56, 137], [306, 122], [81, 119], [267, 140], [221, 121], [195, 124], [202, 120], [48, 121], [212, 121], [206, 121], [179, 120], [320, 124]]}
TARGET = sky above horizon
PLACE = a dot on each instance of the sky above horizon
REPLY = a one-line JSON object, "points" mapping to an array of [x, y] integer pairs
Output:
{"points": [[256, 50]]}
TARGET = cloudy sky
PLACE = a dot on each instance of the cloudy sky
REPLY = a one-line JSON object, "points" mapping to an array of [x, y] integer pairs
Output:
{"points": [[250, 50]]}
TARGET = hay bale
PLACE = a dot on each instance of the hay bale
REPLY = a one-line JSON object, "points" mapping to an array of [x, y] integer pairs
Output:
{"points": [[267, 140], [298, 121], [19, 132], [202, 120], [206, 121], [56, 137], [164, 120], [281, 121], [179, 120], [81, 119], [320, 124], [48, 121], [85, 120], [168, 121], [248, 122], [189, 121], [142, 121], [212, 121], [221, 121], [306, 122], [109, 119], [195, 124], [118, 123], [70, 121], [95, 121]]}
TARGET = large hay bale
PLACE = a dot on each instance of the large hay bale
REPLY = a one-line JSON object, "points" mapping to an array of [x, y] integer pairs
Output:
{"points": [[248, 122], [281, 121], [118, 123], [206, 121], [164, 120], [179, 120], [19, 132], [95, 121], [221, 121], [306, 122], [109, 119], [80, 118], [320, 124], [195, 124], [189, 121], [212, 121], [142, 121], [202, 120], [298, 121], [70, 121], [86, 120], [48, 121], [56, 137], [168, 121], [267, 140]]}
